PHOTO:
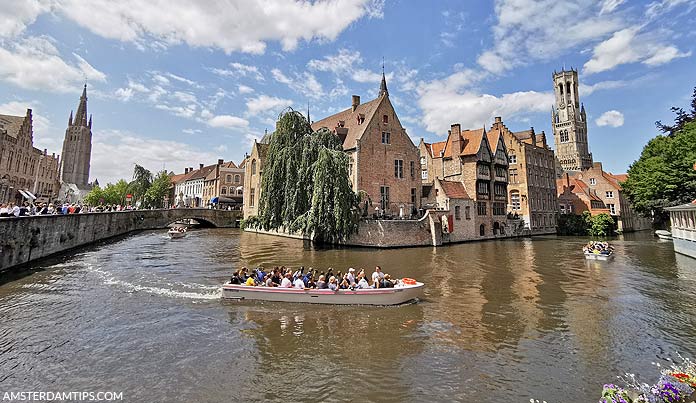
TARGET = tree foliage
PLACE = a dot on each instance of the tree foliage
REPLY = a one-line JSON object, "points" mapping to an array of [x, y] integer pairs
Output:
{"points": [[110, 194], [664, 174], [154, 195], [600, 225], [305, 186], [142, 180], [572, 224]]}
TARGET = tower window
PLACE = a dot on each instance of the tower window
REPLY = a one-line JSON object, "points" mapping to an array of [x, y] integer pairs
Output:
{"points": [[385, 119], [564, 136]]}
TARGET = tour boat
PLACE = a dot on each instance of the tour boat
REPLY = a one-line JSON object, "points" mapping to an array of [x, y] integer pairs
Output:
{"points": [[662, 234], [400, 294], [599, 256], [175, 233]]}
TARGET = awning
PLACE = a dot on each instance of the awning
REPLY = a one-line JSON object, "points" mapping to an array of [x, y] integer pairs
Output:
{"points": [[223, 199], [214, 200]]}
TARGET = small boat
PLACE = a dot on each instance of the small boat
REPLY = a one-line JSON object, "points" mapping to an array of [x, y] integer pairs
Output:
{"points": [[662, 234], [397, 295], [176, 232], [599, 256]]}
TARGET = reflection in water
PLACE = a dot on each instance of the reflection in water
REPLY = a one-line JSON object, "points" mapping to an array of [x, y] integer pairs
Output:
{"points": [[500, 321]]}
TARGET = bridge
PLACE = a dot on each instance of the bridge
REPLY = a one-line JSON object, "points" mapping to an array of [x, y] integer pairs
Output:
{"points": [[26, 239]]}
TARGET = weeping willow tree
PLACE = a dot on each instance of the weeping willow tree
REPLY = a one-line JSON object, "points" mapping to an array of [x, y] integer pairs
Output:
{"points": [[305, 186]]}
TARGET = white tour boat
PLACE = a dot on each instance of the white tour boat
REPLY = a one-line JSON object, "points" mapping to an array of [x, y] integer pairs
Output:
{"points": [[664, 235], [598, 256], [176, 232], [399, 294]]}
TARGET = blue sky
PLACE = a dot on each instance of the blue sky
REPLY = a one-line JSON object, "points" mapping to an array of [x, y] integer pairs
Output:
{"points": [[174, 83]]}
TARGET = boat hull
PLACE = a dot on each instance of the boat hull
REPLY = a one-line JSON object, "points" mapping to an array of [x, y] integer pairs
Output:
{"points": [[664, 235], [598, 256], [380, 296], [176, 234]]}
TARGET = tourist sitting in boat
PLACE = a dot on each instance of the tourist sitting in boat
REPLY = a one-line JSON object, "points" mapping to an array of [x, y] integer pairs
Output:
{"points": [[251, 281], [362, 283], [386, 282], [287, 280], [377, 276], [351, 276], [321, 283], [597, 247], [298, 283], [268, 281], [235, 278], [333, 283]]}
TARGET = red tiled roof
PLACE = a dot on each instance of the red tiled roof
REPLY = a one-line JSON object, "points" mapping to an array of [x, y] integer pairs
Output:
{"points": [[472, 140], [354, 130], [437, 148], [201, 173], [454, 190]]}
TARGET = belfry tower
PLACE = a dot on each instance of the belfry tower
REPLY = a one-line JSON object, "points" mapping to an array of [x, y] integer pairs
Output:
{"points": [[77, 146], [569, 123]]}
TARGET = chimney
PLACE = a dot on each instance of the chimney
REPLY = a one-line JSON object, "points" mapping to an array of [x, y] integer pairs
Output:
{"points": [[185, 171], [356, 102], [456, 130], [498, 119], [221, 161], [200, 166]]}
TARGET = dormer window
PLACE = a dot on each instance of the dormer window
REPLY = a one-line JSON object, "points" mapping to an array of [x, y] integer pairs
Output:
{"points": [[341, 123], [593, 181], [385, 119]]}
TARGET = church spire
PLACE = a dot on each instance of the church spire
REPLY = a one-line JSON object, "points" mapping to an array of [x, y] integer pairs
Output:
{"points": [[81, 114], [70, 119], [383, 85]]}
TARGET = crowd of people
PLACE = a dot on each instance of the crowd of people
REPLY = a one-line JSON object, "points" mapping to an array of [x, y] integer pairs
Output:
{"points": [[598, 247], [31, 209], [287, 278]]}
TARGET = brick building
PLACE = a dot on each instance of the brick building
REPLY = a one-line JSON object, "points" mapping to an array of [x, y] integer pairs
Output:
{"points": [[25, 171], [383, 159], [231, 184], [532, 177], [604, 195], [480, 163]]}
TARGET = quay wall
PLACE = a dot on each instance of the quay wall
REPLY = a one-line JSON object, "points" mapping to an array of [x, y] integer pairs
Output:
{"points": [[26, 239]]}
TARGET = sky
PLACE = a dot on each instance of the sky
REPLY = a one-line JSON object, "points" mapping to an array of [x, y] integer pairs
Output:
{"points": [[175, 83]]}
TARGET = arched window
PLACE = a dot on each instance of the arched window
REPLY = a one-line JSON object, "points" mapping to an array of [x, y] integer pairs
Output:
{"points": [[385, 119], [237, 178], [496, 228], [240, 191], [568, 88], [253, 167], [560, 88], [482, 230], [228, 178], [223, 191]]}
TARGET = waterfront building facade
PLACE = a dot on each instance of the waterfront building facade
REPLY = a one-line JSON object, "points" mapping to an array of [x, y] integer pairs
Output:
{"points": [[26, 173], [683, 219], [531, 177], [480, 164], [569, 123], [606, 196], [382, 158], [231, 183]]}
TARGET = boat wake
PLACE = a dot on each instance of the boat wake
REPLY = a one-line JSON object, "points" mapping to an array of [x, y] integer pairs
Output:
{"points": [[197, 291]]}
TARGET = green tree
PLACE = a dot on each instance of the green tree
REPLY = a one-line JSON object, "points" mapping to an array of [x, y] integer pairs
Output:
{"points": [[154, 196], [664, 174], [572, 224], [305, 186], [142, 180], [116, 193], [95, 196], [600, 225]]}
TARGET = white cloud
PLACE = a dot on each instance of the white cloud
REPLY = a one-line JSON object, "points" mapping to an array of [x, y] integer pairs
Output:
{"points": [[263, 104], [657, 8], [240, 70], [451, 100], [233, 25], [17, 15], [228, 122], [587, 89], [609, 6], [610, 118], [519, 35], [304, 83], [35, 63], [244, 89], [630, 46], [129, 149]]}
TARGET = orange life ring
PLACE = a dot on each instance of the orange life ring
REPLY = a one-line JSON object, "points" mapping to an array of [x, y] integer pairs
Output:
{"points": [[408, 281]]}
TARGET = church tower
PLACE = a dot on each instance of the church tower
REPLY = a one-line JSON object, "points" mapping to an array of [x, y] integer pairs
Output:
{"points": [[569, 123], [77, 146]]}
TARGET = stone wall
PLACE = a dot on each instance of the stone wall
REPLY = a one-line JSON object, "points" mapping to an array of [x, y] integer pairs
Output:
{"points": [[25, 239]]}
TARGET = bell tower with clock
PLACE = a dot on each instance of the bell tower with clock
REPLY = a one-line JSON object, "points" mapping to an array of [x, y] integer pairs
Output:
{"points": [[569, 123]]}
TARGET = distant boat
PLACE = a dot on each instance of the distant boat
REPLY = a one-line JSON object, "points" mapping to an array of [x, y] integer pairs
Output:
{"points": [[599, 256], [399, 294], [662, 234], [176, 232]]}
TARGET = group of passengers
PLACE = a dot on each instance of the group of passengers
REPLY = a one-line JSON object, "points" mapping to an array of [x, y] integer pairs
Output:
{"points": [[598, 247], [285, 277]]}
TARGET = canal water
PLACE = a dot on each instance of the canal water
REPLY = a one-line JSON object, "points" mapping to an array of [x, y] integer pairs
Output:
{"points": [[501, 321]]}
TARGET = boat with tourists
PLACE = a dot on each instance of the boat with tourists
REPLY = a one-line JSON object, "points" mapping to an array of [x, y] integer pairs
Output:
{"points": [[284, 285], [596, 250], [176, 232], [664, 235]]}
